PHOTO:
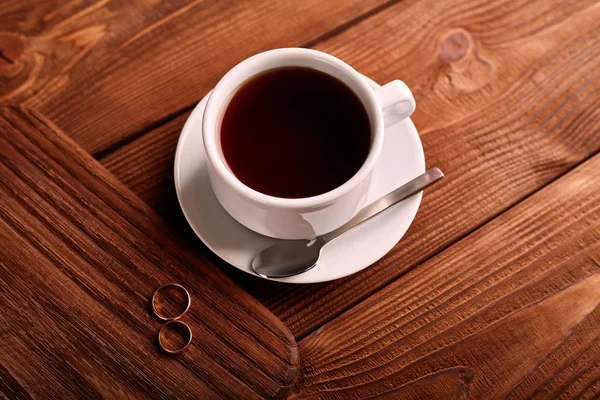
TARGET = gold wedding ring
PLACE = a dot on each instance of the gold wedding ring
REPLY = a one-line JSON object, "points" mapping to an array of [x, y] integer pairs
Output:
{"points": [[167, 317], [162, 332]]}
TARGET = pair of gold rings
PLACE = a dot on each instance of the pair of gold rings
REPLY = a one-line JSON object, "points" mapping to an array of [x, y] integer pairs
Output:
{"points": [[172, 321]]}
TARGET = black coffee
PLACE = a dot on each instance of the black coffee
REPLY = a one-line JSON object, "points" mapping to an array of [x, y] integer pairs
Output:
{"points": [[295, 132]]}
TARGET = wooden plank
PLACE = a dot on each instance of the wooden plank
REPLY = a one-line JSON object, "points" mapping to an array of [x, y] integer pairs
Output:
{"points": [[80, 257], [104, 71], [506, 104], [146, 165], [55, 36], [511, 311]]}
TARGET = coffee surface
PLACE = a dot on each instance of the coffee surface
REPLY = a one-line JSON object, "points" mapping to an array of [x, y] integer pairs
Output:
{"points": [[295, 132]]}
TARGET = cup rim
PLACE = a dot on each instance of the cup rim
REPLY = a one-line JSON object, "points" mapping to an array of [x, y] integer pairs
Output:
{"points": [[211, 114]]}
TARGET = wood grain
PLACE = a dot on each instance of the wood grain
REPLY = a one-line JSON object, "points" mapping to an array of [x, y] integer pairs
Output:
{"points": [[511, 311], [80, 257], [507, 100], [105, 71], [146, 165]]}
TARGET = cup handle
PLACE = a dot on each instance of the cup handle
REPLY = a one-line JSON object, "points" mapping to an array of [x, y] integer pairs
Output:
{"points": [[396, 102]]}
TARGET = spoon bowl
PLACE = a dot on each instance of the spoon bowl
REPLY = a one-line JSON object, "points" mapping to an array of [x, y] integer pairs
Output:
{"points": [[288, 258]]}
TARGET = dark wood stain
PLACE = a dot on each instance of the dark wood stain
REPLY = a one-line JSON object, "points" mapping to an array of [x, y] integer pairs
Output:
{"points": [[511, 311], [80, 259], [492, 293], [93, 64]]}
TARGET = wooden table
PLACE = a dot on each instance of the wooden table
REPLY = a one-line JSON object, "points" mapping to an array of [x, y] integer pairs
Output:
{"points": [[494, 290]]}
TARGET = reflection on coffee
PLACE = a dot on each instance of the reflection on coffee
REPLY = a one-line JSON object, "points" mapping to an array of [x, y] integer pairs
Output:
{"points": [[295, 132]]}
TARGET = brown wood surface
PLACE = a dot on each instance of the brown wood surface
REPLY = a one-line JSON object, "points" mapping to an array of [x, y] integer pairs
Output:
{"points": [[507, 96], [105, 71], [510, 312], [502, 295], [80, 257]]}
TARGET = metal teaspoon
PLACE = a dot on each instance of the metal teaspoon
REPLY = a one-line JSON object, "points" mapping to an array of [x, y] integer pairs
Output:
{"points": [[293, 257]]}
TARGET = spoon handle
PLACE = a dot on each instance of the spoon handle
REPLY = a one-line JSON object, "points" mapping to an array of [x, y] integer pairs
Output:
{"points": [[403, 192]]}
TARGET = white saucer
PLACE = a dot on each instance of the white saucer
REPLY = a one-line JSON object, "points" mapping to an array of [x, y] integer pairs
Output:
{"points": [[402, 159]]}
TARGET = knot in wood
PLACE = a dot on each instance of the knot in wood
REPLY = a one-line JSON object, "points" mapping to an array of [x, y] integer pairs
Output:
{"points": [[455, 46], [11, 48]]}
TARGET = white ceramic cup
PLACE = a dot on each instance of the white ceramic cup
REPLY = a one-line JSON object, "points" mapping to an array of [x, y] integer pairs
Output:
{"points": [[308, 217]]}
